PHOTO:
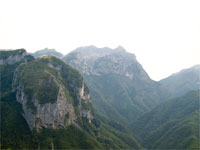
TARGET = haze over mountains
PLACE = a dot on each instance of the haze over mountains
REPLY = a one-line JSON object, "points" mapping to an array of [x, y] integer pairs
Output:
{"points": [[98, 98], [180, 83], [119, 86]]}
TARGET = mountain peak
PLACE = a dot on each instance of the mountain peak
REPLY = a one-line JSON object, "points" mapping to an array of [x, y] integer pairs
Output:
{"points": [[48, 49], [120, 49], [196, 67], [47, 52], [101, 61]]}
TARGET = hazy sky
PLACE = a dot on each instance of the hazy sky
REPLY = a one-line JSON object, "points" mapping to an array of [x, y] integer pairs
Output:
{"points": [[164, 35]]}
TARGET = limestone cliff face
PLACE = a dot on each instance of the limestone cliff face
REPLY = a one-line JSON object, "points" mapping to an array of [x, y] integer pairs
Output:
{"points": [[11, 57], [72, 100], [59, 114]]}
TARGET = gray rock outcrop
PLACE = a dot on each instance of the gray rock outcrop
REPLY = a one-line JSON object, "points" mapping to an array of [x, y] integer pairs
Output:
{"points": [[14, 57], [91, 60]]}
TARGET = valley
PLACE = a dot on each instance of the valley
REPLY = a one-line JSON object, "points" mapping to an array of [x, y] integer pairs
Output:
{"points": [[94, 98]]}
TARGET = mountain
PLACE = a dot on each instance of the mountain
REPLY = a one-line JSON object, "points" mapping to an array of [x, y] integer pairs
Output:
{"points": [[52, 94], [11, 57], [9, 61], [47, 52], [120, 88], [174, 124], [45, 104], [180, 83], [26, 105]]}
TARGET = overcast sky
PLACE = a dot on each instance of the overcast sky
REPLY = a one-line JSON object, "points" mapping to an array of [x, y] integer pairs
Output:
{"points": [[164, 35]]}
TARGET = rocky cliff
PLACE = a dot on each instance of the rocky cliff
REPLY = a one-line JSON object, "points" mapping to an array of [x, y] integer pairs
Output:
{"points": [[52, 94], [11, 57], [91, 60]]}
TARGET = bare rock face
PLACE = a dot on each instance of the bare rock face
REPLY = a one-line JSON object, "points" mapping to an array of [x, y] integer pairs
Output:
{"points": [[59, 114], [100, 61], [85, 100], [63, 110], [11, 57]]}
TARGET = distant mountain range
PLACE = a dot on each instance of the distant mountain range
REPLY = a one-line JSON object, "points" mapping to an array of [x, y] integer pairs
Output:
{"points": [[94, 98], [180, 83]]}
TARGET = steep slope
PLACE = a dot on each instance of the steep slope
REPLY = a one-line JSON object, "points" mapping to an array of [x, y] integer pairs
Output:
{"points": [[172, 124], [47, 52], [45, 104], [52, 94], [12, 122], [180, 83], [15, 132], [119, 86], [11, 57], [9, 61]]}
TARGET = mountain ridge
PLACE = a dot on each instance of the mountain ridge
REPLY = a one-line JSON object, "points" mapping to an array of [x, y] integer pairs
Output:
{"points": [[112, 100], [107, 71], [28, 90], [172, 124], [46, 52], [183, 81]]}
